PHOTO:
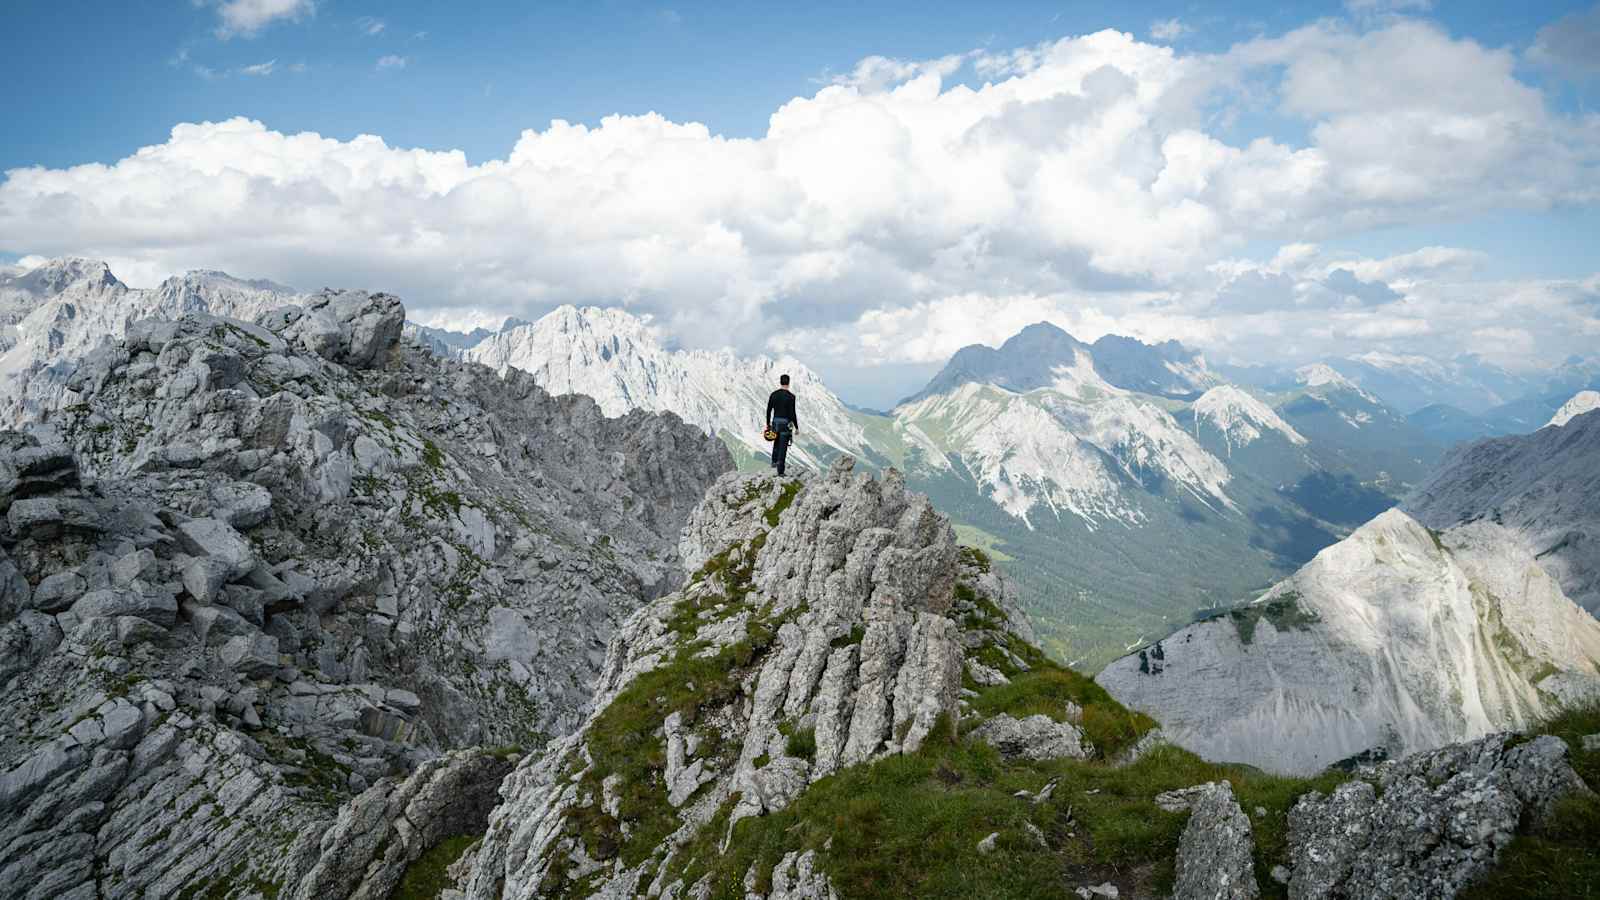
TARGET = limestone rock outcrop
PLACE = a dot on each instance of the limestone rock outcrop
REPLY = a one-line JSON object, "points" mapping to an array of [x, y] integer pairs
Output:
{"points": [[251, 572], [819, 632], [1428, 825], [364, 853], [1216, 853]]}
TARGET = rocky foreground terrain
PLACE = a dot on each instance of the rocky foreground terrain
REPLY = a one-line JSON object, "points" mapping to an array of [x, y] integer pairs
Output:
{"points": [[249, 570], [292, 608]]}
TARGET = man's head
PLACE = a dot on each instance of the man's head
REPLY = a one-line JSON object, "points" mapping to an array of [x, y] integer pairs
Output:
{"points": [[783, 380]]}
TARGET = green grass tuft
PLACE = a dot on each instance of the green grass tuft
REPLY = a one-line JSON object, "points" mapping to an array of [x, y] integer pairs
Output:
{"points": [[976, 558], [857, 633], [1284, 612], [785, 500], [426, 878], [802, 744]]}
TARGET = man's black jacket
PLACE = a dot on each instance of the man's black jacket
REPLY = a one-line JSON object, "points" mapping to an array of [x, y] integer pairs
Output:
{"points": [[781, 403]]}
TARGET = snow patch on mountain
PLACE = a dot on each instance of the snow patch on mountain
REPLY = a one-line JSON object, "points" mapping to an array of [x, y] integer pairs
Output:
{"points": [[1397, 638], [1147, 441], [1322, 375], [1080, 381], [620, 360], [1357, 420], [1581, 402], [1071, 454], [1022, 454], [1241, 417]]}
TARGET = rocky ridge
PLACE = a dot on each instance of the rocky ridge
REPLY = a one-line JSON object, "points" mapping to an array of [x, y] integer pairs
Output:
{"points": [[1543, 488], [251, 570], [820, 632]]}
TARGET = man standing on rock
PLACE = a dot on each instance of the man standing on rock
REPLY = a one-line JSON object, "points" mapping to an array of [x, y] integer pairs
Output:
{"points": [[781, 419]]}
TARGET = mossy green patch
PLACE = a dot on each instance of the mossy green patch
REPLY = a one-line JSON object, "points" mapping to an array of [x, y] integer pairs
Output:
{"points": [[432, 456], [1283, 611], [908, 826], [427, 877], [626, 738], [802, 743], [975, 558], [857, 633], [785, 500], [1046, 689]]}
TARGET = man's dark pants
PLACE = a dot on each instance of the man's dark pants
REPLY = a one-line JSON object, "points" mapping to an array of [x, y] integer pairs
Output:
{"points": [[780, 447]]}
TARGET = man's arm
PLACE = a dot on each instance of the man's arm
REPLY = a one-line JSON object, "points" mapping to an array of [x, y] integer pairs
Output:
{"points": [[769, 411]]}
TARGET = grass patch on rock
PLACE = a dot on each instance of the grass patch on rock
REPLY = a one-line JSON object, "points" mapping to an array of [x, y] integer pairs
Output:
{"points": [[785, 499], [428, 876], [626, 739], [909, 826], [1047, 688], [1284, 612]]}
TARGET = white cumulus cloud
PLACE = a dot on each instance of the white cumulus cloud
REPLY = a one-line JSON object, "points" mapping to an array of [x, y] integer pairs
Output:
{"points": [[893, 215], [245, 18]]}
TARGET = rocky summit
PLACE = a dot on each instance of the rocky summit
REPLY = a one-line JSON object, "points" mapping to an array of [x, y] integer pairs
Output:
{"points": [[250, 570]]}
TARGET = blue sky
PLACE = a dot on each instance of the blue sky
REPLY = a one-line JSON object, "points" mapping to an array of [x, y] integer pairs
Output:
{"points": [[1448, 150], [94, 81]]}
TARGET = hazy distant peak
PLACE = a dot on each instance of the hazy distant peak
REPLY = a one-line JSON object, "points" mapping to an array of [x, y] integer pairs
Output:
{"points": [[56, 275], [1241, 417], [1322, 374], [1036, 356], [217, 276]]}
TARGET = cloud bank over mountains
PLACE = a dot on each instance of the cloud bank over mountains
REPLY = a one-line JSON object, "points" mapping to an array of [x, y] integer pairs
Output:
{"points": [[1100, 182]]}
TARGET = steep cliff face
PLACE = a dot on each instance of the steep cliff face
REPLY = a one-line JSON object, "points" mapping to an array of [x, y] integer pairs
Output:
{"points": [[248, 570], [1446, 620], [1543, 487], [1396, 639]]}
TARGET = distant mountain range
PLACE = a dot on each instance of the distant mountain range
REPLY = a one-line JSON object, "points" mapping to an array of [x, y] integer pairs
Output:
{"points": [[1129, 488], [294, 605], [1452, 400]]}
